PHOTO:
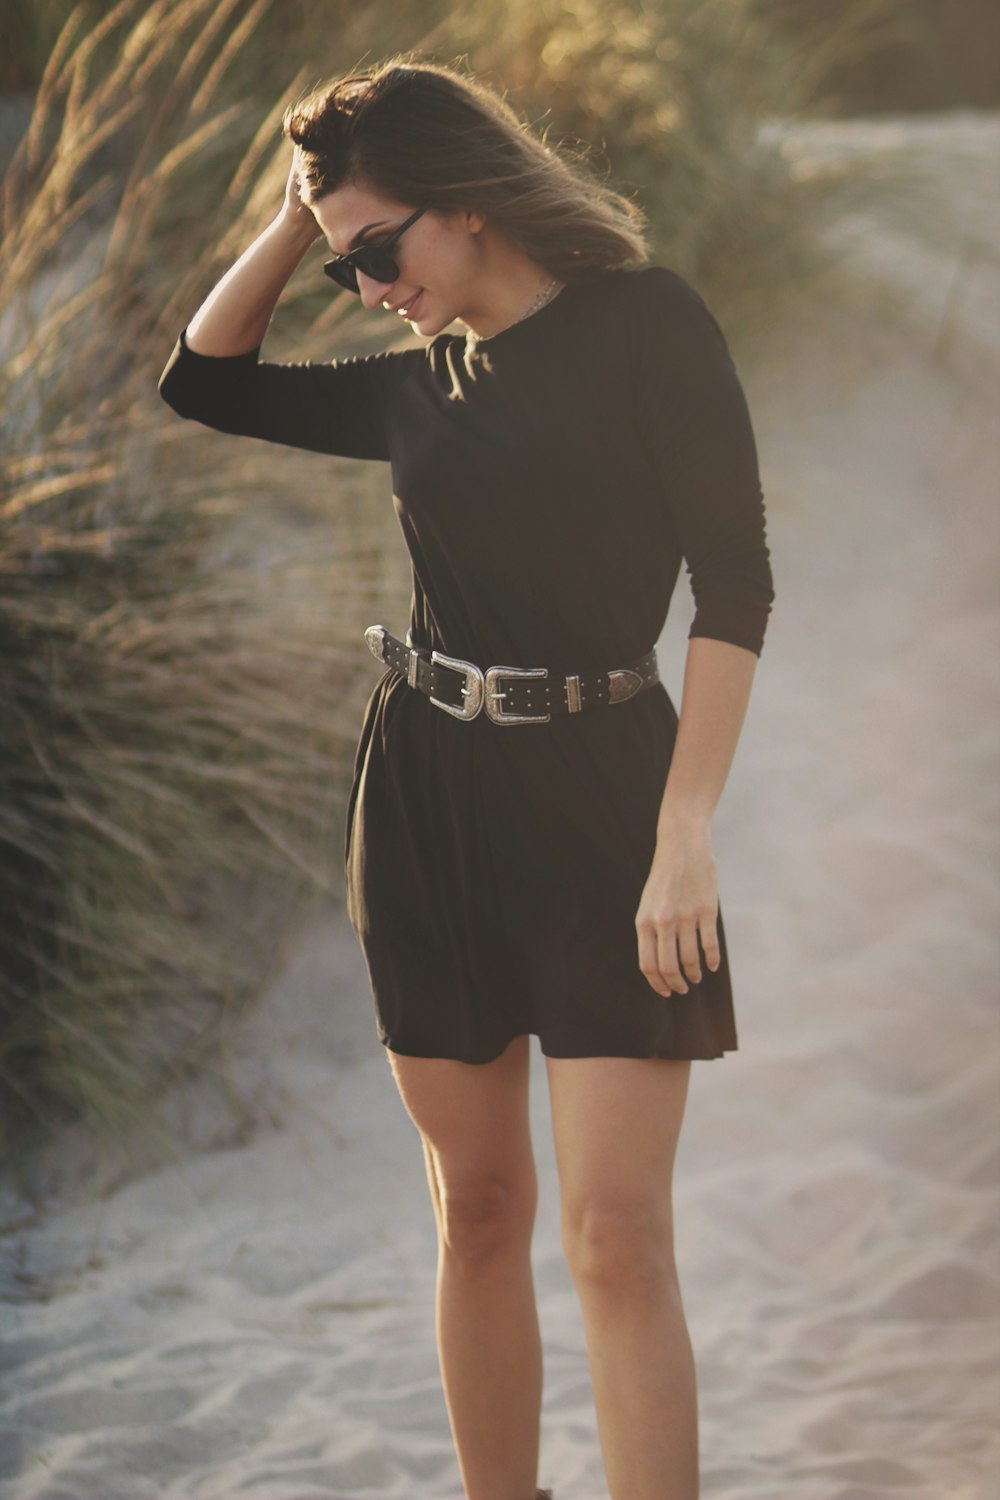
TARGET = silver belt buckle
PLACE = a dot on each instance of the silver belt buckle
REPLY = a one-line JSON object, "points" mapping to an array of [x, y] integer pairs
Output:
{"points": [[484, 690], [495, 695], [472, 692]]}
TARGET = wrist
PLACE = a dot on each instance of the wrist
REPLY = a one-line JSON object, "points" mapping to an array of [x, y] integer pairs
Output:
{"points": [[691, 821], [299, 228]]}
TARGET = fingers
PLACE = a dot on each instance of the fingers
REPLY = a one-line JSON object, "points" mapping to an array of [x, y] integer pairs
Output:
{"points": [[710, 942], [293, 183], [669, 952], [649, 961], [687, 943]]}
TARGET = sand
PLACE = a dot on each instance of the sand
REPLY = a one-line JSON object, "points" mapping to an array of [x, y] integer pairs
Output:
{"points": [[257, 1320]]}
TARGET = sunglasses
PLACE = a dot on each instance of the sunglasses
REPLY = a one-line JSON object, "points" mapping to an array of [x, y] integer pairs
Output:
{"points": [[375, 261]]}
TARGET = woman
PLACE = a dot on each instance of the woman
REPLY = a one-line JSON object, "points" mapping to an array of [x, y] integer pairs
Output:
{"points": [[527, 846]]}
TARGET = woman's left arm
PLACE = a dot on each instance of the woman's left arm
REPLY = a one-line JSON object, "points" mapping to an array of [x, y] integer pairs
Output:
{"points": [[696, 428], [680, 897]]}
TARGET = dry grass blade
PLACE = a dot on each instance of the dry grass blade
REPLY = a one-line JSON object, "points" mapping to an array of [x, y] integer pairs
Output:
{"points": [[175, 747], [234, 42]]}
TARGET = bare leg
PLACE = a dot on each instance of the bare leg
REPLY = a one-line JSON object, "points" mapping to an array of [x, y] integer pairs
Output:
{"points": [[473, 1120], [616, 1122]]}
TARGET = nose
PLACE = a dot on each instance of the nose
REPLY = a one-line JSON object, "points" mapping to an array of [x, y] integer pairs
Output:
{"points": [[372, 291]]}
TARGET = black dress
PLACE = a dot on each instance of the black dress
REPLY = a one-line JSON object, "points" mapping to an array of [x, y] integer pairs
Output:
{"points": [[548, 482]]}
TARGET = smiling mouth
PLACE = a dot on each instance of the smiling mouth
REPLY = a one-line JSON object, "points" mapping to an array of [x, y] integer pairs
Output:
{"points": [[406, 309]]}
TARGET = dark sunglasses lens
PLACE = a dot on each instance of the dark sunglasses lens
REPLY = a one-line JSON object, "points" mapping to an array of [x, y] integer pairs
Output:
{"points": [[377, 263], [342, 272]]}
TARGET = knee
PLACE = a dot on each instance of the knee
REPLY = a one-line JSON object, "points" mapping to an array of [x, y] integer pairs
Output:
{"points": [[484, 1218], [626, 1248]]}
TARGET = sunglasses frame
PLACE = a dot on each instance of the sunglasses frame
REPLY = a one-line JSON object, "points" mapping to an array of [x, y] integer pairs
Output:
{"points": [[343, 269]]}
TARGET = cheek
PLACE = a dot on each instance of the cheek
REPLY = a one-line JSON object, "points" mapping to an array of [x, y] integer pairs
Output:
{"points": [[443, 261]]}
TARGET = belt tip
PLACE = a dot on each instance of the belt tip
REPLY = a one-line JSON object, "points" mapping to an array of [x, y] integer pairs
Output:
{"points": [[375, 636]]}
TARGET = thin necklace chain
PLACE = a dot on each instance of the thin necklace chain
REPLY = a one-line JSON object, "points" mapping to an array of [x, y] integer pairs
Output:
{"points": [[544, 296]]}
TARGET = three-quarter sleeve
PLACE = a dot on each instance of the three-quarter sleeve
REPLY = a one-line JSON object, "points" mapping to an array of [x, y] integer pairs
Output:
{"points": [[338, 407], [697, 433]]}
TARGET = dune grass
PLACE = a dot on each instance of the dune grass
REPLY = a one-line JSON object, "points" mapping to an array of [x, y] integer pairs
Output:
{"points": [[182, 669], [179, 699]]}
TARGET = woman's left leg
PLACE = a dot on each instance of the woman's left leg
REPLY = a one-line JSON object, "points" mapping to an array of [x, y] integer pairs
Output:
{"points": [[616, 1122]]}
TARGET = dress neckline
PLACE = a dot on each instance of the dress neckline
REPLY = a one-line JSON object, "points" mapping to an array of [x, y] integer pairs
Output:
{"points": [[543, 314]]}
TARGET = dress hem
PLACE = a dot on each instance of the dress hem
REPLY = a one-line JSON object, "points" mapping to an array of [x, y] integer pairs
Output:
{"points": [[482, 1061]]}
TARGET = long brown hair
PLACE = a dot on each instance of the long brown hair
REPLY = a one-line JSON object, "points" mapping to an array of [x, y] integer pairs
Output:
{"points": [[420, 132]]}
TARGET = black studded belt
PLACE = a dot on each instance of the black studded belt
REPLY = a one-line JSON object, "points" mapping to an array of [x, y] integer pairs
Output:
{"points": [[508, 695]]}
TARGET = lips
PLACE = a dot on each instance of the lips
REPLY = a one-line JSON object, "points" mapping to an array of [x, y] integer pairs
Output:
{"points": [[405, 309]]}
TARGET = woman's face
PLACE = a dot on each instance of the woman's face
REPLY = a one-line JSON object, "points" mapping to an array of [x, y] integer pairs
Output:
{"points": [[439, 256]]}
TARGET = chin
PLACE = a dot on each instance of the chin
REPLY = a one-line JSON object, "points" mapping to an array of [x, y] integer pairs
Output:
{"points": [[429, 325]]}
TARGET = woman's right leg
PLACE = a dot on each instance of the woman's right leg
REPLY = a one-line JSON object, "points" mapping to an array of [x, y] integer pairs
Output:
{"points": [[473, 1120]]}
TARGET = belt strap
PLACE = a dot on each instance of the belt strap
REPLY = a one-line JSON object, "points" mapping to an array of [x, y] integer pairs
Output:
{"points": [[508, 695]]}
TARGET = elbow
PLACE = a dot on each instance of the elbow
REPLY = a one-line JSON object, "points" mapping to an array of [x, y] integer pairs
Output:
{"points": [[189, 385], [217, 391], [185, 398], [173, 389], [184, 405], [734, 608], [743, 630], [173, 398]]}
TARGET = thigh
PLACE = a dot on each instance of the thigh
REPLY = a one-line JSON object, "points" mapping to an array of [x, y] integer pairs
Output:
{"points": [[473, 1117], [616, 1122]]}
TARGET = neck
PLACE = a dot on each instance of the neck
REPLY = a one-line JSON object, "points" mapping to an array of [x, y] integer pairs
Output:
{"points": [[509, 284]]}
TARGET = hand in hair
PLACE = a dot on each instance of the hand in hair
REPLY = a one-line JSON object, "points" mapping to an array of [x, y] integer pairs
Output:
{"points": [[295, 210]]}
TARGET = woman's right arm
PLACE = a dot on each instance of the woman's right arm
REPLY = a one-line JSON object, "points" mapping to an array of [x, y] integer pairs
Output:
{"points": [[235, 315], [215, 375]]}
